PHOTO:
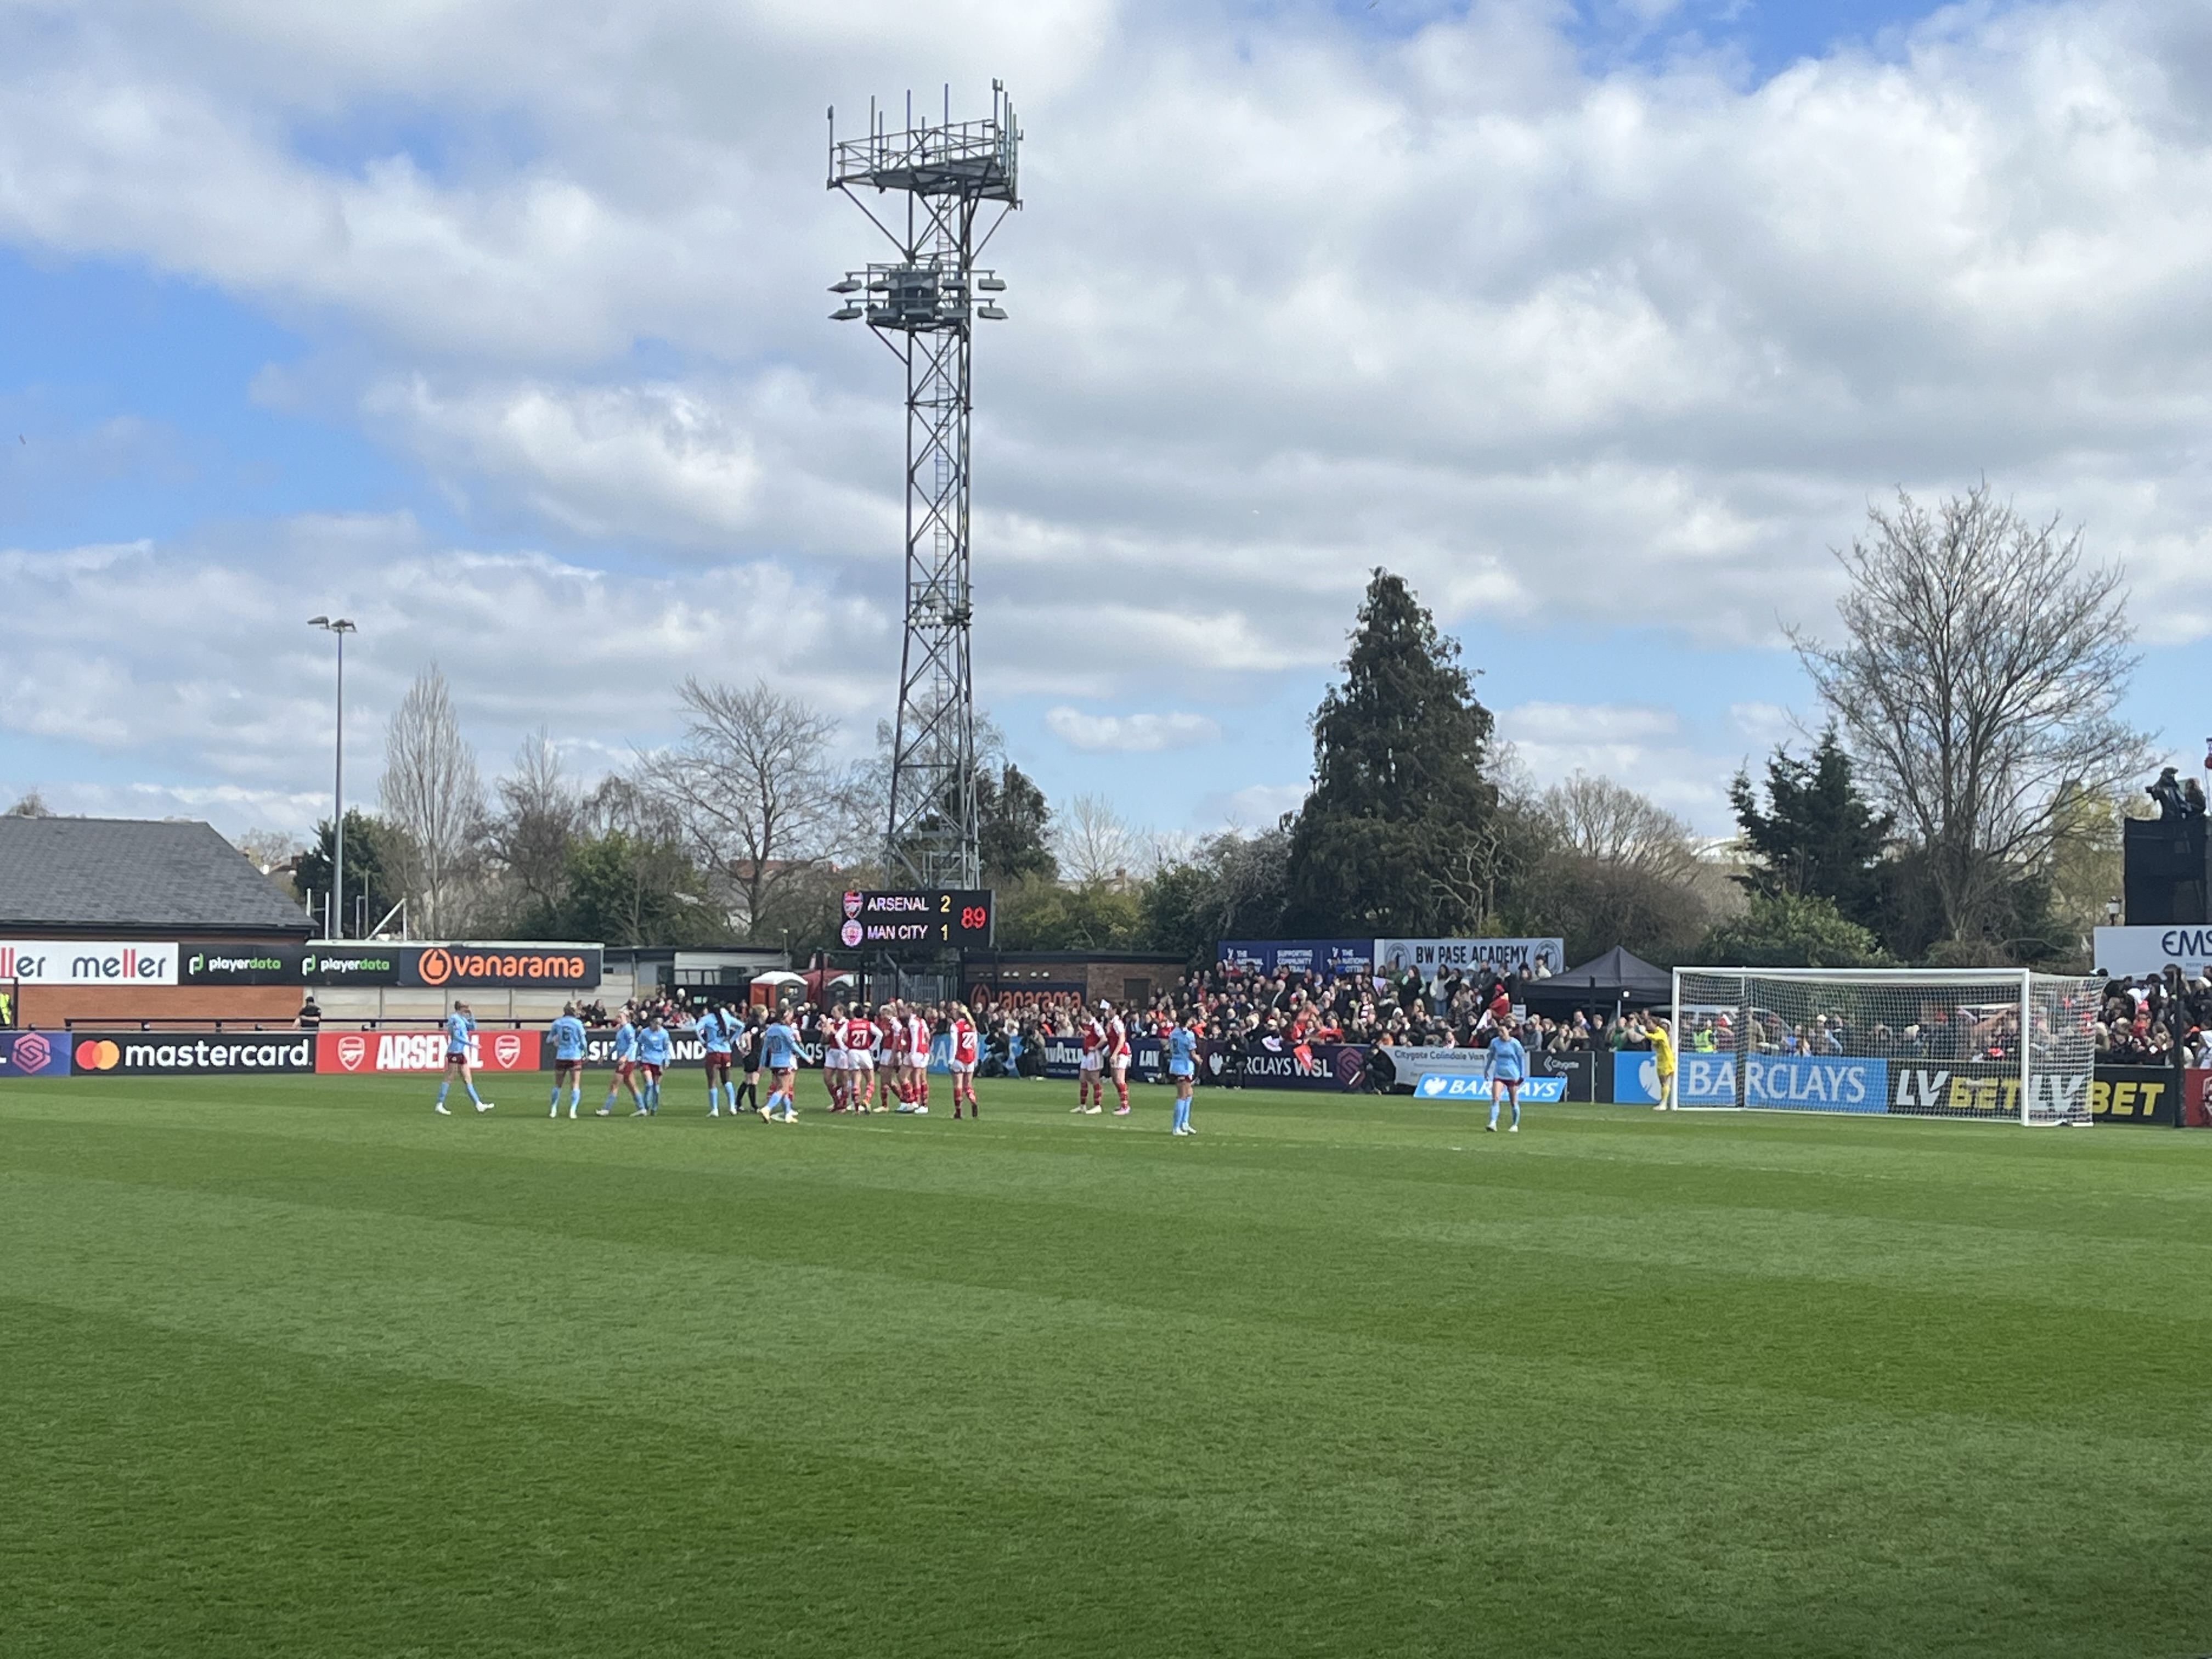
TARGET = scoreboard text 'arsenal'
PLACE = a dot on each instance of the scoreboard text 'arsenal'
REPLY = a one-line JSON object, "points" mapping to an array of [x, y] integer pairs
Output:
{"points": [[917, 919]]}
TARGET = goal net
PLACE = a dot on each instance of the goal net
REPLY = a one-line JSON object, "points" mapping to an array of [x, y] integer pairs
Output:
{"points": [[1999, 1043]]}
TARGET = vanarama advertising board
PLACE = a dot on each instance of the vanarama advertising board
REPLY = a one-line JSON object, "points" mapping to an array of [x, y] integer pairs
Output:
{"points": [[344, 1053], [458, 967]]}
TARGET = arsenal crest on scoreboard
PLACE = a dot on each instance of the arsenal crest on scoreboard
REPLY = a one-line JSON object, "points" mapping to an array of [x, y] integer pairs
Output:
{"points": [[923, 919]]}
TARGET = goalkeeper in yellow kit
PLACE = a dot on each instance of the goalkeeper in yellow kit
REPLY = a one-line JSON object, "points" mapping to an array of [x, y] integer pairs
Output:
{"points": [[1663, 1058]]}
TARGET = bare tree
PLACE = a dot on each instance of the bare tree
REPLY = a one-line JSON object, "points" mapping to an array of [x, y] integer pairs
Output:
{"points": [[1613, 825], [269, 849], [33, 804], [431, 788], [754, 791], [1981, 671], [541, 813], [1091, 841]]}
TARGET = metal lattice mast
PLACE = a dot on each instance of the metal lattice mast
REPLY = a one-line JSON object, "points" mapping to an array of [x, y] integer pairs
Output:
{"points": [[922, 304]]}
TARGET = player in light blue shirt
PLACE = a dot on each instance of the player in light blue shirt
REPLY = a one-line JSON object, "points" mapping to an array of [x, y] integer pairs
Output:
{"points": [[652, 1060], [715, 1033], [779, 1047], [1507, 1067], [460, 1034], [568, 1035], [1183, 1066], [625, 1062]]}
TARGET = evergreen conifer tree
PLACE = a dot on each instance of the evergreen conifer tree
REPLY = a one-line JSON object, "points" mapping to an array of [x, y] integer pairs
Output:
{"points": [[1398, 794], [1817, 836]]}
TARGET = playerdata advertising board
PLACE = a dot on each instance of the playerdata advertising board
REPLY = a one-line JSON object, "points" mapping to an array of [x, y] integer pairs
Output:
{"points": [[490, 967], [918, 918], [244, 964]]}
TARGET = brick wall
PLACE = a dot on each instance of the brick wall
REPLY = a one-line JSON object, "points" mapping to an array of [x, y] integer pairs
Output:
{"points": [[50, 1007]]}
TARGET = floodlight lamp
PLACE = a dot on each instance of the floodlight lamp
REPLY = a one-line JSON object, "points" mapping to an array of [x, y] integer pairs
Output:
{"points": [[991, 284], [996, 313], [318, 622], [848, 286], [844, 313]]}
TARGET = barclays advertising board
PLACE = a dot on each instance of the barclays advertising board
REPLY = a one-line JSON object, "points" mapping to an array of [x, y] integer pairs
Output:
{"points": [[1462, 1086], [1805, 1083]]}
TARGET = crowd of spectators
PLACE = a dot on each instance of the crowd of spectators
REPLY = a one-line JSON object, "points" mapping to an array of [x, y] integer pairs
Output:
{"points": [[2137, 1023], [1240, 1009], [2140, 1021]]}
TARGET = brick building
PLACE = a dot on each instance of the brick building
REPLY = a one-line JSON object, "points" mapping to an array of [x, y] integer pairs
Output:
{"points": [[122, 921], [1024, 976]]}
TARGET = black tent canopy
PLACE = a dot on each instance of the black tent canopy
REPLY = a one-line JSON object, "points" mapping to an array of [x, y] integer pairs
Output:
{"points": [[1616, 977]]}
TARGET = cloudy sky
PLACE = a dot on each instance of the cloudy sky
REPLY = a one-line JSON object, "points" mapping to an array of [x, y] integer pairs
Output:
{"points": [[501, 327]]}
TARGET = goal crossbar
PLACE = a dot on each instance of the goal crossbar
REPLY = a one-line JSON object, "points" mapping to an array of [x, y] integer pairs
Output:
{"points": [[1997, 1043]]}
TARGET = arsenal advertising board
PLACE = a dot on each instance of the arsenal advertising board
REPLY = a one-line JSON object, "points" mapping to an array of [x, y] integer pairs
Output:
{"points": [[365, 1052], [918, 918]]}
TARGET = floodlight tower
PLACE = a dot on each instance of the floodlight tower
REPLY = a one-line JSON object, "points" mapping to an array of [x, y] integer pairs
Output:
{"points": [[922, 304]]}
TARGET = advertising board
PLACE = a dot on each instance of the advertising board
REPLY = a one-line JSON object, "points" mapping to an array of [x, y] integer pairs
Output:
{"points": [[1330, 1066], [1807, 1083], [1148, 1058], [87, 961], [2149, 1095], [243, 964], [34, 1053], [2140, 952], [1326, 957], [918, 918], [366, 1052], [1462, 1085], [496, 967], [2196, 1099], [1432, 957], [189, 1054]]}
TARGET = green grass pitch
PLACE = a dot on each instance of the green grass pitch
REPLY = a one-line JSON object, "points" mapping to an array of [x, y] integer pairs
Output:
{"points": [[298, 1369]]}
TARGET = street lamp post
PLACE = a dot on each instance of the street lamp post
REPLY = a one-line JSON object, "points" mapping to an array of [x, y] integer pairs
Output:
{"points": [[335, 916]]}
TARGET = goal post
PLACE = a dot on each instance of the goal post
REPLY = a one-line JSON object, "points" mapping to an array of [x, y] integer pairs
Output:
{"points": [[1999, 1043]]}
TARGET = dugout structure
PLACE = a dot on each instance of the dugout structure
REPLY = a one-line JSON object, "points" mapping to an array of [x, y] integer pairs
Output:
{"points": [[2004, 1044]]}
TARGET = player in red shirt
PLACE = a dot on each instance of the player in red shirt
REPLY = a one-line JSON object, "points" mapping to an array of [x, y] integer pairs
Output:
{"points": [[1089, 1074], [834, 1078], [860, 1058], [918, 1032], [1117, 1056], [966, 1049]]}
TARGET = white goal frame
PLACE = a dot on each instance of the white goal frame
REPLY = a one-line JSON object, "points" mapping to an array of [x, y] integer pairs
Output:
{"points": [[2046, 1074]]}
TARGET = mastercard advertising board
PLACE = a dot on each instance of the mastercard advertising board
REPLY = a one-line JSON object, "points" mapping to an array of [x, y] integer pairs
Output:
{"points": [[362, 1052], [189, 1054]]}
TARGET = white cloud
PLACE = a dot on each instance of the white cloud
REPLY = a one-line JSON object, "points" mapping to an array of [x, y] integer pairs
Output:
{"points": [[1289, 300], [1136, 734], [1645, 747], [178, 661], [1255, 806]]}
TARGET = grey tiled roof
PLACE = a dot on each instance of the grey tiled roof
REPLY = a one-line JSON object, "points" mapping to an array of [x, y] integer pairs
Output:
{"points": [[133, 875]]}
